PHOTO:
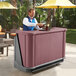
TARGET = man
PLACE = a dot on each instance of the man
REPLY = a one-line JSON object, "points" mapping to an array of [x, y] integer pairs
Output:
{"points": [[29, 22]]}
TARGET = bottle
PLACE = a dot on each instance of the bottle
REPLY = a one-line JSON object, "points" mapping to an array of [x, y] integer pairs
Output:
{"points": [[47, 26], [7, 35]]}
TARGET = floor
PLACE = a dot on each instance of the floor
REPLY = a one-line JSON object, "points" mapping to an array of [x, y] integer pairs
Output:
{"points": [[66, 68]]}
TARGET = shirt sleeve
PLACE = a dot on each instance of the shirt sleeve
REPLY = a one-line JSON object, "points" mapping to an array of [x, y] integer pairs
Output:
{"points": [[27, 23]]}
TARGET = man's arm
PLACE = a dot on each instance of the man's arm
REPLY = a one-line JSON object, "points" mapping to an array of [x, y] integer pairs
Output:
{"points": [[37, 27], [27, 23]]}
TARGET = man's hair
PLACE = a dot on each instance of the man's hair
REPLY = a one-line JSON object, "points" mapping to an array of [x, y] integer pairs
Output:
{"points": [[31, 9]]}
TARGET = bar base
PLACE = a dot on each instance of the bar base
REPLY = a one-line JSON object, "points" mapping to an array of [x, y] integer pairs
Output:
{"points": [[38, 68]]}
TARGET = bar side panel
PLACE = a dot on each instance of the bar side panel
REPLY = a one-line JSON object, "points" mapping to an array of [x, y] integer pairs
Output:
{"points": [[49, 47]]}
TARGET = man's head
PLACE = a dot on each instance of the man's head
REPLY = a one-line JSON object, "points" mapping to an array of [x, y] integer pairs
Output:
{"points": [[31, 12]]}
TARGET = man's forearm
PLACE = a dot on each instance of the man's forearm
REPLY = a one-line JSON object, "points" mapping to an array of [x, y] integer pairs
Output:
{"points": [[30, 24], [38, 28]]}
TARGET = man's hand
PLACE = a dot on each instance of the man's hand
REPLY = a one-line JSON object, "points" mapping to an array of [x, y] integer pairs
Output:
{"points": [[40, 24]]}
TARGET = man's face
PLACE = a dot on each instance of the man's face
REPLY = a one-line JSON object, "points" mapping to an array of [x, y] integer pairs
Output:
{"points": [[32, 13]]}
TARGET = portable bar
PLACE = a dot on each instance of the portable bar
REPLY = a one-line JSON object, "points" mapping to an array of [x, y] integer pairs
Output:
{"points": [[35, 50]]}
